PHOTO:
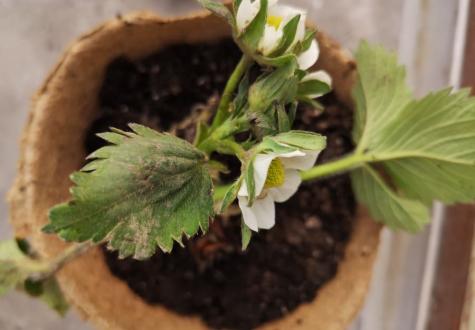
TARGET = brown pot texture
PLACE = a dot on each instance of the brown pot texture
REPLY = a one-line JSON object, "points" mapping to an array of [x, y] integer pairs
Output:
{"points": [[52, 148]]}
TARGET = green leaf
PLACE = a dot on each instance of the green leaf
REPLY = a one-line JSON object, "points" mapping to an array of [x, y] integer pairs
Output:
{"points": [[429, 149], [301, 140], [146, 189], [380, 93], [218, 9], [425, 147], [288, 35], [246, 235], [254, 31], [385, 205]]}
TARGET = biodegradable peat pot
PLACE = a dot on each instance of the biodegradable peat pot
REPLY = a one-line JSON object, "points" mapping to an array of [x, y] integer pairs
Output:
{"points": [[52, 148]]}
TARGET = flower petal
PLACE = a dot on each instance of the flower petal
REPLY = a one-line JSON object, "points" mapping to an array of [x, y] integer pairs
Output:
{"points": [[270, 39], [319, 75], [246, 12], [260, 215], [288, 189], [301, 163], [261, 166], [308, 58], [292, 154]]}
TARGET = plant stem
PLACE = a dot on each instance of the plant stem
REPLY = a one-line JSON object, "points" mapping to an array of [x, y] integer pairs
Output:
{"points": [[223, 107], [42, 270], [341, 165]]}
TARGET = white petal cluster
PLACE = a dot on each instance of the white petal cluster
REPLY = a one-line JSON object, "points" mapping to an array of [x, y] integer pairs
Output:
{"points": [[278, 16], [261, 214]]}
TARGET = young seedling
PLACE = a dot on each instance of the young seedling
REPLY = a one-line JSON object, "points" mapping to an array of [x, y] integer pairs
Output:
{"points": [[148, 189]]}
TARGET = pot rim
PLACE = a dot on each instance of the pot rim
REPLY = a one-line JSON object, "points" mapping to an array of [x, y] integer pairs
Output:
{"points": [[46, 162]]}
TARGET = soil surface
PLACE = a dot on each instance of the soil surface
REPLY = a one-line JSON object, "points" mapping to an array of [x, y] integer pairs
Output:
{"points": [[211, 277]]}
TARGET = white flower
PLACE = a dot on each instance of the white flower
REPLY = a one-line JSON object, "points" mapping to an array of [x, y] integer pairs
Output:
{"points": [[276, 178], [277, 18]]}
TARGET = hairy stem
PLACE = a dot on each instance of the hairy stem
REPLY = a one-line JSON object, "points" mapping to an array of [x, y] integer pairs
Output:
{"points": [[223, 107], [42, 269], [338, 166]]}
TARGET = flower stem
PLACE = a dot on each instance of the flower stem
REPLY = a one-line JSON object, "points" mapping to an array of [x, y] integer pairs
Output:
{"points": [[341, 165], [223, 107]]}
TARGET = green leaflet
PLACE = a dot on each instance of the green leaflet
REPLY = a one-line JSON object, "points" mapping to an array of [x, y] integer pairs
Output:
{"points": [[426, 146], [380, 93], [144, 190], [385, 205]]}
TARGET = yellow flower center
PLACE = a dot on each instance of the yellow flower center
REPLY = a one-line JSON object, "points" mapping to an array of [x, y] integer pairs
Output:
{"points": [[274, 21], [275, 174]]}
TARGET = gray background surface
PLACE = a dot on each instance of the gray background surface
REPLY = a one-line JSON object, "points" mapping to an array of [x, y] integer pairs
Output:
{"points": [[33, 34]]}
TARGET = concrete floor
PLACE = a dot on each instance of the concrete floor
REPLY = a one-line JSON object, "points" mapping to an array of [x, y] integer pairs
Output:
{"points": [[33, 34]]}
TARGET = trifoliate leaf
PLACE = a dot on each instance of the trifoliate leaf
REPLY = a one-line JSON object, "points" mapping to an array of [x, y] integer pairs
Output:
{"points": [[254, 31], [426, 147], [218, 9], [385, 205], [301, 140], [146, 189], [246, 235]]}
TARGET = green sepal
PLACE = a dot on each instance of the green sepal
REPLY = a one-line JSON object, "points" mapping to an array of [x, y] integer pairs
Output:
{"points": [[278, 86], [254, 31], [250, 183], [305, 44], [302, 140], [312, 87], [230, 196], [288, 35], [283, 120], [246, 235]]}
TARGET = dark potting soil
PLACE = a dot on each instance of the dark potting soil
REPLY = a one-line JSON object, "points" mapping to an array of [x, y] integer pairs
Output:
{"points": [[211, 277]]}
